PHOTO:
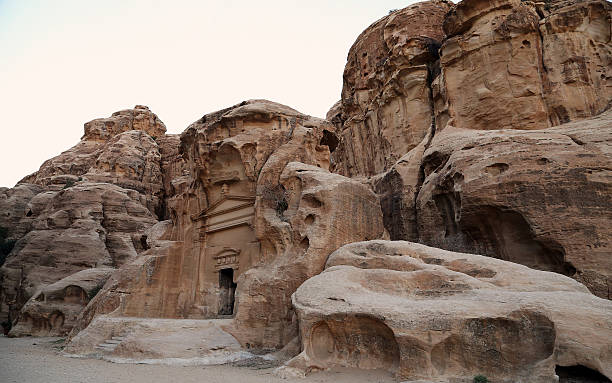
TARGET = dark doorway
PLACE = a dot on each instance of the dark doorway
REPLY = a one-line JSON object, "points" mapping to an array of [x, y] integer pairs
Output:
{"points": [[228, 291]]}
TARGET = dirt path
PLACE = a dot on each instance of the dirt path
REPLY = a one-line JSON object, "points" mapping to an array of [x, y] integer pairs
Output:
{"points": [[37, 360]]}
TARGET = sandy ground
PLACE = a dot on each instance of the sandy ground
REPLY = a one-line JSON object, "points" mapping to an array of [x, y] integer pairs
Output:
{"points": [[38, 360]]}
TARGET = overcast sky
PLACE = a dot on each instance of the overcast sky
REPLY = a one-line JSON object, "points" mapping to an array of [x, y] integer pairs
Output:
{"points": [[63, 63]]}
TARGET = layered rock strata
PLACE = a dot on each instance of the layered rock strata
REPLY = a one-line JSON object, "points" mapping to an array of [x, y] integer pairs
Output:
{"points": [[386, 106]]}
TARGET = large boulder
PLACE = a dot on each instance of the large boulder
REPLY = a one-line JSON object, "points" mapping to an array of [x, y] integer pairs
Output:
{"points": [[429, 314]]}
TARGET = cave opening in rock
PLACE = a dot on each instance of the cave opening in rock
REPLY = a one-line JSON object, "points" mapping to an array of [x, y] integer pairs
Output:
{"points": [[228, 291], [330, 140], [579, 374]]}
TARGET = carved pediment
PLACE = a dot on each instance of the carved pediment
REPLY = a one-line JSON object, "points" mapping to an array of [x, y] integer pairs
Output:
{"points": [[226, 204]]}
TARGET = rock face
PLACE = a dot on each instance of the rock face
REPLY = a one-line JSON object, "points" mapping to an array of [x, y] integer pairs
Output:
{"points": [[243, 210], [86, 208], [386, 106], [577, 57], [505, 65], [491, 67], [540, 198], [507, 193], [324, 211], [85, 226], [426, 313]]}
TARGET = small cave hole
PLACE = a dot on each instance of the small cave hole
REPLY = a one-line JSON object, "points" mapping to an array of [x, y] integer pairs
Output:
{"points": [[309, 219], [579, 374], [527, 43], [543, 161], [143, 242], [312, 201], [330, 140], [305, 244], [29, 213]]}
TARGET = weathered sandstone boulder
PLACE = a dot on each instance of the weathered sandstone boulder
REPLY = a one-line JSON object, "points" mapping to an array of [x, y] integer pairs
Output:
{"points": [[430, 314], [386, 106], [53, 310]]}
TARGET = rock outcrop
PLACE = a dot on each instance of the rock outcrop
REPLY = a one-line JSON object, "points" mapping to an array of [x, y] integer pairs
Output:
{"points": [[386, 107], [323, 212], [539, 198], [86, 208], [508, 64], [430, 314], [505, 193]]}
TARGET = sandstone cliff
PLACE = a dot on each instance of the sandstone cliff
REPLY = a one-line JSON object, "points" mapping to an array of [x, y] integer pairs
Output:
{"points": [[540, 198], [481, 127]]}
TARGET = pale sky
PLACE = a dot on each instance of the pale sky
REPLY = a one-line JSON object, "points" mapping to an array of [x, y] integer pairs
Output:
{"points": [[63, 63]]}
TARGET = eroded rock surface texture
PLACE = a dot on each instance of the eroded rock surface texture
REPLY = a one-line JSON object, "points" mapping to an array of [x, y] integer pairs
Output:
{"points": [[426, 313], [386, 107], [540, 198], [53, 310], [254, 214], [477, 127], [86, 208]]}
